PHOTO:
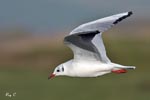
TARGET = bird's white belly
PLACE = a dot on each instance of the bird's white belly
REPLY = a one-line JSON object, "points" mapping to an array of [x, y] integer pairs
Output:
{"points": [[89, 69]]}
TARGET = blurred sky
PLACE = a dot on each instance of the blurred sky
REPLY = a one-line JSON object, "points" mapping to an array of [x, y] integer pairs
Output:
{"points": [[55, 15]]}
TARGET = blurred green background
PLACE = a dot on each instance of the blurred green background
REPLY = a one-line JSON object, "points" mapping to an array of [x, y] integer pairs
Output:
{"points": [[31, 46]]}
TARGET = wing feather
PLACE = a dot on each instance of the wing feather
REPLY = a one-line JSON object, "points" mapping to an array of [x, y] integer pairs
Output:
{"points": [[86, 40], [102, 24]]}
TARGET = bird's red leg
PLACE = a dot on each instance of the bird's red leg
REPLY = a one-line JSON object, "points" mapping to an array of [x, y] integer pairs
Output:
{"points": [[119, 71]]}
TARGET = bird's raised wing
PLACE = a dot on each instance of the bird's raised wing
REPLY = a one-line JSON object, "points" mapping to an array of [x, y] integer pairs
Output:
{"points": [[86, 41], [102, 24]]}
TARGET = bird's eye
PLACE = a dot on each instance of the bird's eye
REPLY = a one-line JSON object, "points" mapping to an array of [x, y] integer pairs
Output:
{"points": [[58, 70]]}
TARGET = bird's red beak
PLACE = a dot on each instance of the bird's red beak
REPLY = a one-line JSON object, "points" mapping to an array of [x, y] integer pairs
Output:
{"points": [[51, 76]]}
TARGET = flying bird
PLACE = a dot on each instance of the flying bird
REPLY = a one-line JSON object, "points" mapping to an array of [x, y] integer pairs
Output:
{"points": [[90, 59]]}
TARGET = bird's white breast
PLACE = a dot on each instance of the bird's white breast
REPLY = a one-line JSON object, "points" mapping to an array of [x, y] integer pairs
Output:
{"points": [[88, 68]]}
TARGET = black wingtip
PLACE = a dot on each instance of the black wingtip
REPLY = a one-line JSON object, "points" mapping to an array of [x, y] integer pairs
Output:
{"points": [[123, 17], [130, 13]]}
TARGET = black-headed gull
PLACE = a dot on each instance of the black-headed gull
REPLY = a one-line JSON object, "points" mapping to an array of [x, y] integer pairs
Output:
{"points": [[90, 59]]}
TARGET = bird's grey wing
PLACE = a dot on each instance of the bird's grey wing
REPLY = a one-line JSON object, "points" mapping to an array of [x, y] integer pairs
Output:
{"points": [[102, 24], [98, 43], [82, 46], [86, 41]]}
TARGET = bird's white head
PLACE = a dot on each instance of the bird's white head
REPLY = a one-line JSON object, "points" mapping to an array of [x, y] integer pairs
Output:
{"points": [[59, 70]]}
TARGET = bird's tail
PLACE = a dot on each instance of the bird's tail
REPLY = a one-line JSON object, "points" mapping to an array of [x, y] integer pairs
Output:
{"points": [[130, 67], [124, 67], [121, 69]]}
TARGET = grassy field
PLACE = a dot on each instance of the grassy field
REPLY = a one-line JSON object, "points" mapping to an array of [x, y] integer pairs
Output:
{"points": [[26, 71]]}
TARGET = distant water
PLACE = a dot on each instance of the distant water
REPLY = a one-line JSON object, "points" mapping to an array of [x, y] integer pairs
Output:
{"points": [[54, 15]]}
